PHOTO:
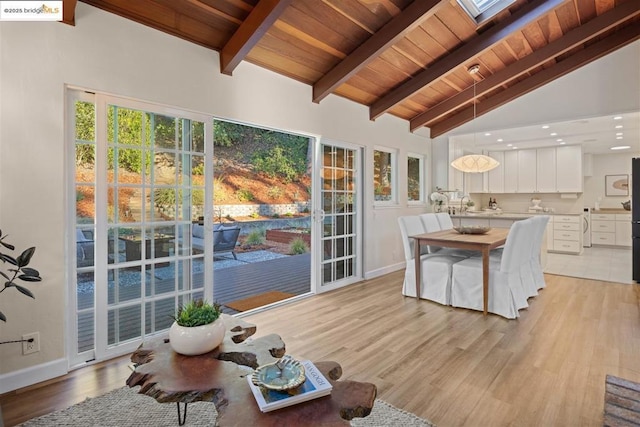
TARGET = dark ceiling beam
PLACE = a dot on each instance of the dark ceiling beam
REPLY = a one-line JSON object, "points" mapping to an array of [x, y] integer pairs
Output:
{"points": [[627, 35], [261, 18], [529, 13], [570, 40], [69, 12], [387, 36]]}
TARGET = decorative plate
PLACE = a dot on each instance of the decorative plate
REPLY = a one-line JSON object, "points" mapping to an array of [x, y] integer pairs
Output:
{"points": [[472, 229], [285, 374]]}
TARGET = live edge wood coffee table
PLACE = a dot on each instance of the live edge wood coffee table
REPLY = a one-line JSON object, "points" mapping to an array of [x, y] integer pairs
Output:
{"points": [[220, 377]]}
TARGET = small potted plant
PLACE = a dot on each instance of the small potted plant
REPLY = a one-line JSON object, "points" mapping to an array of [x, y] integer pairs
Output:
{"points": [[20, 271], [198, 328], [471, 205]]}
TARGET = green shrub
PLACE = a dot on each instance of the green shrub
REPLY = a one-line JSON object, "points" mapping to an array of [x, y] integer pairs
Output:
{"points": [[244, 195], [275, 215], [255, 237], [277, 162], [274, 192], [197, 313], [298, 246]]}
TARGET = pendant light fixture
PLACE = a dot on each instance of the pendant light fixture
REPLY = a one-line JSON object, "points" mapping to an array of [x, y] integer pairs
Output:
{"points": [[474, 163]]}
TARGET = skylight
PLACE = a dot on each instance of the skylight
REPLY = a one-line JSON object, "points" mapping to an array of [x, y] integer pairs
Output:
{"points": [[481, 10]]}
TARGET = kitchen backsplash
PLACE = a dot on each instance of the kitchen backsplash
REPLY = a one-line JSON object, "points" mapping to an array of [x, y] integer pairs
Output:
{"points": [[522, 202]]}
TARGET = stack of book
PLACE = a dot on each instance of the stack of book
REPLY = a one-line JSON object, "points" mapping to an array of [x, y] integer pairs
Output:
{"points": [[315, 385]]}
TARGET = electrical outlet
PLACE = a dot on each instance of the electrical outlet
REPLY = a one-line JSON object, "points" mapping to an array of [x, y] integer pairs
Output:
{"points": [[32, 346]]}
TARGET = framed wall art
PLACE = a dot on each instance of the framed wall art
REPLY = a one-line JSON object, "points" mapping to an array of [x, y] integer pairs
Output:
{"points": [[616, 185]]}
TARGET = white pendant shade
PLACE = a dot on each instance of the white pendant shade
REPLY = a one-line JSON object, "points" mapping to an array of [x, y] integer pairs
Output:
{"points": [[475, 163]]}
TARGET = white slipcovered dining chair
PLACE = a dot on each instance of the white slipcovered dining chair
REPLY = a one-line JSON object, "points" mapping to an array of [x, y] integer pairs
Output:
{"points": [[507, 294], [435, 284], [536, 266], [442, 221]]}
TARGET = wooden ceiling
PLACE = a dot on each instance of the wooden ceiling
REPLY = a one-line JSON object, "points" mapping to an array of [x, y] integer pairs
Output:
{"points": [[401, 57]]}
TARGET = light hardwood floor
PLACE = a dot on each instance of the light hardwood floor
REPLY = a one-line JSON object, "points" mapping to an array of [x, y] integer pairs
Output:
{"points": [[452, 366]]}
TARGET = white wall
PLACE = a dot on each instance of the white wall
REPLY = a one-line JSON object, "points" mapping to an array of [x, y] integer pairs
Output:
{"points": [[606, 86], [104, 52], [608, 164]]}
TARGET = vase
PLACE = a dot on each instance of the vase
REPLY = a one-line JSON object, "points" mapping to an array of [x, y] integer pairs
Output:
{"points": [[191, 341]]}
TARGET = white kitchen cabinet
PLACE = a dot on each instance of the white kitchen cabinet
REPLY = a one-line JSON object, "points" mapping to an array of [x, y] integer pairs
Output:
{"points": [[476, 182], [550, 234], [526, 171], [546, 170], [496, 175], [623, 230], [567, 234], [511, 171], [473, 222], [611, 229], [569, 176]]}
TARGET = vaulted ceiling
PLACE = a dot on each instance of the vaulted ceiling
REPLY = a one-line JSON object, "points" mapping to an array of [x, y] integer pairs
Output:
{"points": [[401, 57]]}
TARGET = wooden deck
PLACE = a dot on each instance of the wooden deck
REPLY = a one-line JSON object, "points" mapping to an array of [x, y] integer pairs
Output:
{"points": [[291, 274]]}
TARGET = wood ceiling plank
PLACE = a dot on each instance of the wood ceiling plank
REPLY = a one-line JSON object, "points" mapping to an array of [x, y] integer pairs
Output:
{"points": [[388, 35], [384, 74], [619, 39], [490, 61], [355, 94], [550, 27], [413, 52], [360, 14], [586, 10], [627, 12], [284, 46], [327, 17], [205, 8], [534, 36], [69, 12], [519, 45], [604, 5], [568, 17], [263, 57], [306, 38], [400, 61], [438, 31], [503, 53], [458, 22], [431, 48], [489, 38], [252, 29]]}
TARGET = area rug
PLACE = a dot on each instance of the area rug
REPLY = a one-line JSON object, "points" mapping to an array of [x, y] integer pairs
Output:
{"points": [[126, 407], [621, 402], [258, 300]]}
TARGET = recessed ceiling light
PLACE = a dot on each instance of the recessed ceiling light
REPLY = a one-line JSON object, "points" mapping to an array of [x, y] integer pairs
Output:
{"points": [[545, 127], [554, 133], [559, 140], [618, 126], [620, 147], [618, 133], [500, 139], [619, 137], [562, 143], [617, 118], [514, 148], [509, 145], [487, 134]]}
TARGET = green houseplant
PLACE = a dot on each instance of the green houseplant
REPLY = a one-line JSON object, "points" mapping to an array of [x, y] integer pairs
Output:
{"points": [[198, 328], [19, 271]]}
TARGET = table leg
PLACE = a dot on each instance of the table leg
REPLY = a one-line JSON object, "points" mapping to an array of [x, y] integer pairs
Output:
{"points": [[416, 259], [182, 419], [485, 279]]}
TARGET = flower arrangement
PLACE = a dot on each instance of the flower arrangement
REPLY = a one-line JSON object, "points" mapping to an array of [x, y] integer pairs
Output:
{"points": [[438, 198]]}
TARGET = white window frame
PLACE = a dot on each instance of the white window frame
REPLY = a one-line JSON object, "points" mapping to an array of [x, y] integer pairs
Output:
{"points": [[421, 163], [483, 10], [393, 200]]}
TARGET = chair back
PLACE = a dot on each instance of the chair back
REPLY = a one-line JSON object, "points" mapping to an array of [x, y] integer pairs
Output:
{"points": [[410, 225], [430, 222], [518, 245], [541, 226], [444, 220]]}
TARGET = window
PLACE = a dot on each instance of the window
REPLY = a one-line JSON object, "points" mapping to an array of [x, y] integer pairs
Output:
{"points": [[384, 170], [482, 10], [415, 178]]}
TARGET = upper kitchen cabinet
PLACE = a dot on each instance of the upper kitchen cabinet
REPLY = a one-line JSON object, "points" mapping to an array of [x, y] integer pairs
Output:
{"points": [[496, 176], [569, 169], [546, 170], [510, 184], [526, 171]]}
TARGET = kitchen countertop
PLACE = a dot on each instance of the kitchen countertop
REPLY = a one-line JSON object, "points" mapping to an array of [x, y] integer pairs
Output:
{"points": [[610, 211], [508, 215]]}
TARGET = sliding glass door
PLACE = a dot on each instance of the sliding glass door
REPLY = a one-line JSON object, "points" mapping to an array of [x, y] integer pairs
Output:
{"points": [[140, 180]]}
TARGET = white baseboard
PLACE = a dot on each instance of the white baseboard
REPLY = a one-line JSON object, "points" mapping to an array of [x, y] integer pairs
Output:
{"points": [[33, 375], [384, 270]]}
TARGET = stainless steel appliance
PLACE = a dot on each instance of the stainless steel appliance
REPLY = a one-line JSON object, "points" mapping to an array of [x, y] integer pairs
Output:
{"points": [[635, 216], [586, 228]]}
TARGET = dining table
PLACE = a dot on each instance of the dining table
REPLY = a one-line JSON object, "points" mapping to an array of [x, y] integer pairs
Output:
{"points": [[451, 238]]}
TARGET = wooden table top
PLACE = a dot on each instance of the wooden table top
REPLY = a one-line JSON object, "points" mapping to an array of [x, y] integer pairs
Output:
{"points": [[493, 236], [220, 377]]}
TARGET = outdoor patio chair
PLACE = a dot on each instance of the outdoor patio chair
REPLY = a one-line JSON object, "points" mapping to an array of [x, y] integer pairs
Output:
{"points": [[225, 238], [84, 248]]}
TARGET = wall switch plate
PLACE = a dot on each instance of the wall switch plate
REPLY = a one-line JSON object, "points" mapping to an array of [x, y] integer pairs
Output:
{"points": [[33, 346]]}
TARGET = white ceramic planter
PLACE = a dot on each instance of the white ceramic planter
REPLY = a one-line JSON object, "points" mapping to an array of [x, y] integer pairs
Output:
{"points": [[198, 339]]}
